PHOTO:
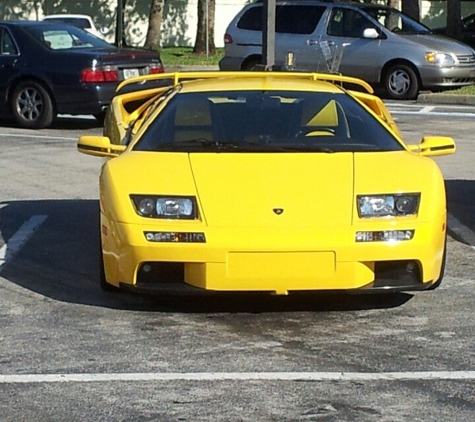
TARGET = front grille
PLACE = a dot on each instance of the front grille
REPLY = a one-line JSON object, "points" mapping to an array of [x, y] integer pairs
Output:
{"points": [[466, 58]]}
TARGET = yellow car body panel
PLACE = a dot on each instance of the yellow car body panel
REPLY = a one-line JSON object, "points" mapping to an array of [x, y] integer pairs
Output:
{"points": [[310, 246], [274, 222]]}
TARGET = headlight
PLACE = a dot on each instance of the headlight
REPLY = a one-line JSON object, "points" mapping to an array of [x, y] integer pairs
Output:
{"points": [[443, 59], [370, 206], [173, 207]]}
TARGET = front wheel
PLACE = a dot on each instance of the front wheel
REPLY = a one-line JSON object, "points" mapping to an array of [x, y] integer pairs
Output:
{"points": [[32, 106], [401, 83]]}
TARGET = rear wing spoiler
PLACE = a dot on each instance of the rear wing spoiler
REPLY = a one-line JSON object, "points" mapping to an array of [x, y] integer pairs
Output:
{"points": [[172, 79]]}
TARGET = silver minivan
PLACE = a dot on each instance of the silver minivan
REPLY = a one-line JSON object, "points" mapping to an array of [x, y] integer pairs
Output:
{"points": [[376, 43]]}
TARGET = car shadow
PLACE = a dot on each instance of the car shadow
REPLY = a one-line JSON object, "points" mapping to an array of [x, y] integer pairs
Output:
{"points": [[61, 261], [461, 204]]}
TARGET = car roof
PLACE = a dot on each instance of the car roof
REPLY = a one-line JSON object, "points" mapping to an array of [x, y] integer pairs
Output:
{"points": [[67, 15], [327, 2]]}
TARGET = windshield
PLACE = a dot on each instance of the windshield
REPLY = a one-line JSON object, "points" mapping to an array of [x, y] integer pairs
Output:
{"points": [[396, 21], [64, 37], [265, 121]]}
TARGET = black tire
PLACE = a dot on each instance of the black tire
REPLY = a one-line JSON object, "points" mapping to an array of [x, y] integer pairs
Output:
{"points": [[251, 64], [105, 286], [32, 106], [401, 83]]}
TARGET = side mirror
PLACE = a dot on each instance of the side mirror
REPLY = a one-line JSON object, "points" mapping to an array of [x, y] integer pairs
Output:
{"points": [[433, 146], [370, 33], [99, 146]]}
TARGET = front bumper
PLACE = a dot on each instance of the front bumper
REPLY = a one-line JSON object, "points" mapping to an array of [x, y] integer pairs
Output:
{"points": [[439, 77], [273, 260]]}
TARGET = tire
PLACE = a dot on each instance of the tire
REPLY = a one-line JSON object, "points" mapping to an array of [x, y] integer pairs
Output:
{"points": [[401, 82], [32, 106], [251, 64]]}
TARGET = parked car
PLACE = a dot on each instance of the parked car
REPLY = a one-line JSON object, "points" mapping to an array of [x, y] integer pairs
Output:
{"points": [[265, 181], [81, 21], [468, 30], [48, 68], [375, 43]]}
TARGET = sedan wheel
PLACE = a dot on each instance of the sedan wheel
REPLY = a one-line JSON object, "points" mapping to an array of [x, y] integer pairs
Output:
{"points": [[401, 83], [32, 106]]}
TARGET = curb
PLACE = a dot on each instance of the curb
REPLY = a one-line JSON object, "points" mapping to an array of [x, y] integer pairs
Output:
{"points": [[451, 99], [183, 68]]}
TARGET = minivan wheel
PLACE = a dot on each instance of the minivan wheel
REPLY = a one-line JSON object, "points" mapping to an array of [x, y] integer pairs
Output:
{"points": [[401, 83], [251, 64], [31, 105]]}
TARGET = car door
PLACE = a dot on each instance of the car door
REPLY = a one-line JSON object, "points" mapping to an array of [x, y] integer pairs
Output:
{"points": [[352, 53], [296, 29], [8, 59]]}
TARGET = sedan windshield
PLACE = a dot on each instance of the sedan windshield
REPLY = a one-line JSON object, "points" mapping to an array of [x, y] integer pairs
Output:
{"points": [[266, 121]]}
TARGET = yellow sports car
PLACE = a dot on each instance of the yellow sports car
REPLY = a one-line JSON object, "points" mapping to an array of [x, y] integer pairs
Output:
{"points": [[265, 181]]}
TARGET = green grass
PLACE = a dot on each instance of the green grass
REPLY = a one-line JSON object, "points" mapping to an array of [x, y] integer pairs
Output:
{"points": [[183, 56], [466, 90]]}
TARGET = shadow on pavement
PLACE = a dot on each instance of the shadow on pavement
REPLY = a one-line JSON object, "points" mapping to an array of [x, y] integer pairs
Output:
{"points": [[461, 204], [61, 261]]}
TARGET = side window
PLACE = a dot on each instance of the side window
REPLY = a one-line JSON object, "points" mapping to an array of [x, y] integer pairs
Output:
{"points": [[347, 23], [251, 19], [301, 19], [297, 19], [7, 46]]}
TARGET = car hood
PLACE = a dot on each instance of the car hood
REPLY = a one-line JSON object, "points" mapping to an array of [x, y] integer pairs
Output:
{"points": [[263, 189], [439, 43]]}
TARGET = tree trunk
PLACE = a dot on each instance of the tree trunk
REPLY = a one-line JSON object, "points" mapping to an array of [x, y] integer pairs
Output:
{"points": [[454, 16], [203, 23], [152, 42], [412, 9]]}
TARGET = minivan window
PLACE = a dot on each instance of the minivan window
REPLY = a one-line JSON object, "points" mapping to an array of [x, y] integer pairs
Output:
{"points": [[396, 21], [347, 23], [301, 19]]}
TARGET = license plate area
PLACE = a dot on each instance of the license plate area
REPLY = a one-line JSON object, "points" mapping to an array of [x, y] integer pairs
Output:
{"points": [[280, 265], [131, 73]]}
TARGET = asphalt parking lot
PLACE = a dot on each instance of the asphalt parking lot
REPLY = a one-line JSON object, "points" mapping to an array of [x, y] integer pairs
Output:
{"points": [[69, 351]]}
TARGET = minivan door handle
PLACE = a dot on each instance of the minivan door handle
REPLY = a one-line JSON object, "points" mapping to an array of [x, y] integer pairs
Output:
{"points": [[311, 42]]}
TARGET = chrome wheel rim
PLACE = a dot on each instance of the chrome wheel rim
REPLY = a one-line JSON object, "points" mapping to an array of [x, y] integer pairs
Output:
{"points": [[30, 104], [399, 82]]}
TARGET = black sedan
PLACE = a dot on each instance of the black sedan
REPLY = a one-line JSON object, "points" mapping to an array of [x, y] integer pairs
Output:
{"points": [[48, 69]]}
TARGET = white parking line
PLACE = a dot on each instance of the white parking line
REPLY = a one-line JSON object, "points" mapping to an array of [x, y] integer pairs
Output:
{"points": [[15, 243], [25, 135], [240, 376]]}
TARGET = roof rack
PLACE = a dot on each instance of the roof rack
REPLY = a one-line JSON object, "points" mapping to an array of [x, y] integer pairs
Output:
{"points": [[172, 79]]}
